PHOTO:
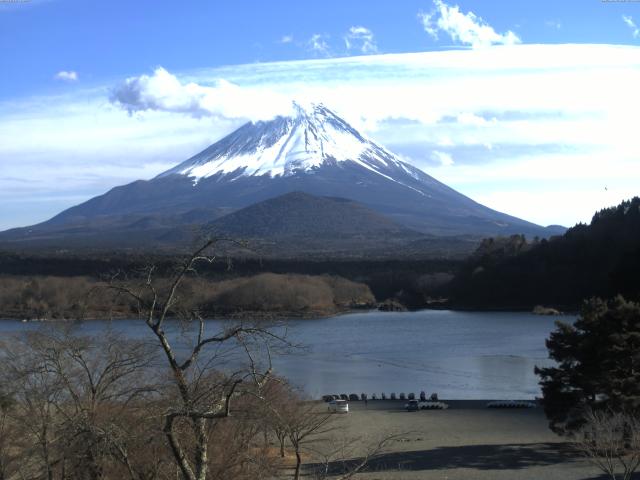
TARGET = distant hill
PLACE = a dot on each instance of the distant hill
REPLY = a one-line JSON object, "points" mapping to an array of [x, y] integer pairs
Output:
{"points": [[302, 215], [600, 259], [293, 225], [299, 224]]}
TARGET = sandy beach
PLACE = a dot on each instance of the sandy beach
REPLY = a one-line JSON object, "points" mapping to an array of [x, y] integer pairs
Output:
{"points": [[467, 441]]}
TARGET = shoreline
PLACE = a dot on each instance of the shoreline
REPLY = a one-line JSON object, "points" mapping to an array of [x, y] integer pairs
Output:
{"points": [[291, 315], [240, 316], [459, 404]]}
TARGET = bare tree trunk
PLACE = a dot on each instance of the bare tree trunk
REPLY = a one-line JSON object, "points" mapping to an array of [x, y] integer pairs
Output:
{"points": [[202, 441], [44, 444], [296, 475], [176, 449]]}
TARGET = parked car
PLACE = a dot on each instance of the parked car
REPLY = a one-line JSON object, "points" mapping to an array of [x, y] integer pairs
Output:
{"points": [[339, 406], [412, 406]]}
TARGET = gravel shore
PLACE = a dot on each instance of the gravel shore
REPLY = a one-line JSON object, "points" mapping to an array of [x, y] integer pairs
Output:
{"points": [[467, 441]]}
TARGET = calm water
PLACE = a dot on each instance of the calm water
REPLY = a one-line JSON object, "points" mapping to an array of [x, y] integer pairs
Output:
{"points": [[460, 355]]}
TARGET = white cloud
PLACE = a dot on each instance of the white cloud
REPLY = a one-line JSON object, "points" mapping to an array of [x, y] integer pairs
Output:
{"points": [[318, 45], [67, 76], [465, 28], [429, 26], [469, 118], [360, 38], [443, 158], [163, 91], [286, 39], [631, 24]]}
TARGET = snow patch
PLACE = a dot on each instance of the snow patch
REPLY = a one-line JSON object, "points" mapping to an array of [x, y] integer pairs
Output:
{"points": [[289, 145]]}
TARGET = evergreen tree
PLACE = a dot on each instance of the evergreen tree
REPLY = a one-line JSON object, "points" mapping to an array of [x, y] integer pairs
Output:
{"points": [[598, 364]]}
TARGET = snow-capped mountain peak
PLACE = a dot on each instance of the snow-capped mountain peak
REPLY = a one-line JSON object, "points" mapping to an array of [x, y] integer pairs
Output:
{"points": [[285, 146], [312, 152]]}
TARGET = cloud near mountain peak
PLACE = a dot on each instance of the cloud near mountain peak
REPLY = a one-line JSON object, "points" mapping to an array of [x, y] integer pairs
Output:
{"points": [[163, 91]]}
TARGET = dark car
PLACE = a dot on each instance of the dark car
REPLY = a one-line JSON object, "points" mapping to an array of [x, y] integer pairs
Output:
{"points": [[412, 406]]}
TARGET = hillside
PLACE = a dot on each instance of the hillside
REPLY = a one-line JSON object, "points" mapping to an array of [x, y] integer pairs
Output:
{"points": [[599, 259]]}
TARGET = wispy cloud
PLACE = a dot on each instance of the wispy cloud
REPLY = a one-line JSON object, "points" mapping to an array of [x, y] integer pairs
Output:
{"points": [[443, 158], [163, 91], [362, 39], [554, 24], [464, 28], [318, 45], [631, 24], [67, 76], [286, 39]]}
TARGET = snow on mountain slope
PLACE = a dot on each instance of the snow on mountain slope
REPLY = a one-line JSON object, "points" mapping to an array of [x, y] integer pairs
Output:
{"points": [[289, 145]]}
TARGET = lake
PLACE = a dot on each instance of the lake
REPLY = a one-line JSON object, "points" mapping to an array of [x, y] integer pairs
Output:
{"points": [[459, 355]]}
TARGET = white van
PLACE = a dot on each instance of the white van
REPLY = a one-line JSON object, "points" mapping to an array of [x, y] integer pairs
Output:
{"points": [[339, 406]]}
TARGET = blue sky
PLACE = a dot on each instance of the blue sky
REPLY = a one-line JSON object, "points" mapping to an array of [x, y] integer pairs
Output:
{"points": [[520, 126], [115, 38]]}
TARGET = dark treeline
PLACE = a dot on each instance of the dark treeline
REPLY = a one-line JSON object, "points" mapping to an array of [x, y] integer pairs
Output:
{"points": [[601, 259]]}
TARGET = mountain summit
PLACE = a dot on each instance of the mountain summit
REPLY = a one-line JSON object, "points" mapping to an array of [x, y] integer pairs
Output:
{"points": [[287, 146], [313, 151]]}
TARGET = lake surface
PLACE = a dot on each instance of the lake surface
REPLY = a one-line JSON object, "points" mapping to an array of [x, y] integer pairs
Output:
{"points": [[459, 355]]}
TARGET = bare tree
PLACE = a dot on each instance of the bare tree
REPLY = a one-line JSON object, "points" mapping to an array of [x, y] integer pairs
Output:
{"points": [[102, 379], [305, 424], [611, 441], [277, 400], [36, 391], [203, 394], [346, 457], [72, 396], [9, 452], [310, 431]]}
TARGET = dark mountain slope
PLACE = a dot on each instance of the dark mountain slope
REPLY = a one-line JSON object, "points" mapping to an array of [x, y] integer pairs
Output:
{"points": [[299, 214]]}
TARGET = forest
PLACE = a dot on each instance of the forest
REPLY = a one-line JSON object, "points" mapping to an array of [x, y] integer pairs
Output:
{"points": [[601, 259]]}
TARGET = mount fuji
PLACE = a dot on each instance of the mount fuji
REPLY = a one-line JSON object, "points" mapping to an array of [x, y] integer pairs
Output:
{"points": [[314, 152]]}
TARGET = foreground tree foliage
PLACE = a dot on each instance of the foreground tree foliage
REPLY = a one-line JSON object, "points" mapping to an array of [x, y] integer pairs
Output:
{"points": [[598, 364]]}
